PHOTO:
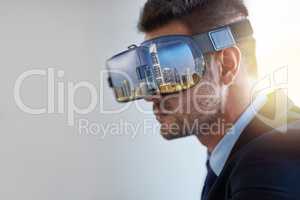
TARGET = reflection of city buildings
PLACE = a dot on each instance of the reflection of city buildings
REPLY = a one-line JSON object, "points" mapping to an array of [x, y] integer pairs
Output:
{"points": [[168, 75], [190, 79], [171, 75], [126, 88], [145, 75], [124, 92], [196, 78], [199, 62], [141, 90], [156, 65], [159, 79], [174, 82], [146, 85], [119, 93], [177, 76]]}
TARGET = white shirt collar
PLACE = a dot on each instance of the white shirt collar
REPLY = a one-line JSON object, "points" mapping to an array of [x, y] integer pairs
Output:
{"points": [[221, 152]]}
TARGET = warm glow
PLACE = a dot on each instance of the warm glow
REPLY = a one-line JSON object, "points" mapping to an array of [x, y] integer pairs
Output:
{"points": [[277, 32]]}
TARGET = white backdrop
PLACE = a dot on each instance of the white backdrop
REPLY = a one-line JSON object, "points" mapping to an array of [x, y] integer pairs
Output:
{"points": [[42, 157]]}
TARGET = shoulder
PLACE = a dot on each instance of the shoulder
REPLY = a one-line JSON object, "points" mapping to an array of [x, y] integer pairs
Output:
{"points": [[269, 163], [274, 145]]}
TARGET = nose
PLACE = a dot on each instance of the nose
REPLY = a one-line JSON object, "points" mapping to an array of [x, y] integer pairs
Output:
{"points": [[153, 98]]}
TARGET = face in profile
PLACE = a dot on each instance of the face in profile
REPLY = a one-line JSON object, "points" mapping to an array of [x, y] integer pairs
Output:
{"points": [[192, 111], [198, 110]]}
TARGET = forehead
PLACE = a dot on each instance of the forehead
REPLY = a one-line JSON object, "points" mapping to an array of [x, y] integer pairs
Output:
{"points": [[172, 28]]}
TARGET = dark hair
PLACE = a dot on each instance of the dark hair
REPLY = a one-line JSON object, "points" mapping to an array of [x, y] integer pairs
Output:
{"points": [[199, 16]]}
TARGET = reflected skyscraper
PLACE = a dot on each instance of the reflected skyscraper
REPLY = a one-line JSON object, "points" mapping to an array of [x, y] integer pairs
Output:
{"points": [[145, 75], [177, 76], [199, 62], [156, 65], [119, 92], [126, 88], [168, 75]]}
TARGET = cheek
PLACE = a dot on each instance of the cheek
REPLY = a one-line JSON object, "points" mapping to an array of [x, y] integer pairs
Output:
{"points": [[171, 124], [171, 103], [213, 72], [206, 98]]}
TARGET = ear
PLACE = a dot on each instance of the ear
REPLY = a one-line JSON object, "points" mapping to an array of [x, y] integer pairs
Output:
{"points": [[230, 60]]}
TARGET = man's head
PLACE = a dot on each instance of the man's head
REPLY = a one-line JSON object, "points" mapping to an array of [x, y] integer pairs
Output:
{"points": [[197, 110]]}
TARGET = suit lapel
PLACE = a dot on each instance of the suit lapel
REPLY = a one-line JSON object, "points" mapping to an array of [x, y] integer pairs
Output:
{"points": [[274, 114], [257, 127]]}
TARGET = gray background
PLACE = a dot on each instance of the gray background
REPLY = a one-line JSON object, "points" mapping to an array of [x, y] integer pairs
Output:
{"points": [[44, 158]]}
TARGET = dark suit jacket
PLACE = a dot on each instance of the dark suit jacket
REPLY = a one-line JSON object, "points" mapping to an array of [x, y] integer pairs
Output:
{"points": [[264, 163]]}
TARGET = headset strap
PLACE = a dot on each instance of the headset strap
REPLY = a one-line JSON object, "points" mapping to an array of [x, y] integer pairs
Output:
{"points": [[224, 37]]}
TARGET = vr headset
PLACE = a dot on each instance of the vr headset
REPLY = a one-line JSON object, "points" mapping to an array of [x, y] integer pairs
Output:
{"points": [[169, 64]]}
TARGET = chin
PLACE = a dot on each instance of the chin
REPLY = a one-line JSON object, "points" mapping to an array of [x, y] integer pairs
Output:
{"points": [[166, 131], [171, 135]]}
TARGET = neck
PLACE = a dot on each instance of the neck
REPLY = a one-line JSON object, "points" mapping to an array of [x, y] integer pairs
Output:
{"points": [[237, 101]]}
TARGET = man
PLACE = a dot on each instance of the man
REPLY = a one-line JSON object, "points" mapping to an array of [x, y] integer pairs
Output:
{"points": [[252, 158]]}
